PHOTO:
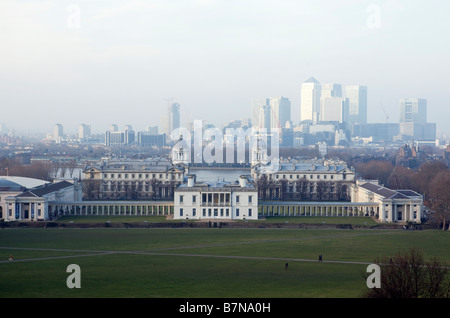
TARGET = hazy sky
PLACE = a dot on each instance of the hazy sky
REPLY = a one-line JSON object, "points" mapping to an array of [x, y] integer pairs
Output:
{"points": [[101, 62]]}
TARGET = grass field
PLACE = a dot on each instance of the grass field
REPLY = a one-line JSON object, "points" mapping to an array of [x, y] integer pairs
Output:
{"points": [[199, 263], [271, 219]]}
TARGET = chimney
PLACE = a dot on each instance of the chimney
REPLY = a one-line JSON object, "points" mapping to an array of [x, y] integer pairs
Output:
{"points": [[191, 181], [242, 181]]}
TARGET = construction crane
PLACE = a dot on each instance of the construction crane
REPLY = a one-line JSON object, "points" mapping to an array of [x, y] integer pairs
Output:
{"points": [[384, 111], [169, 100]]}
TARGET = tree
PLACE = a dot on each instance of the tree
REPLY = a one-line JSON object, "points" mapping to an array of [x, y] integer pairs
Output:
{"points": [[439, 197], [262, 184], [426, 173], [375, 170], [401, 178], [156, 188], [408, 275], [91, 189], [321, 190], [301, 186]]}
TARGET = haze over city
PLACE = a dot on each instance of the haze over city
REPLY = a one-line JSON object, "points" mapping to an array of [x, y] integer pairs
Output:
{"points": [[103, 62]]}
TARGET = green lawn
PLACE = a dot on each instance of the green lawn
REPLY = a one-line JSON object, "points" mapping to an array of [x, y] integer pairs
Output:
{"points": [[194, 263], [356, 220], [113, 218], [269, 219]]}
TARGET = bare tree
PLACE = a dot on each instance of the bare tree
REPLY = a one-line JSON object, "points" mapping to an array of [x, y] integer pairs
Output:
{"points": [[408, 275], [439, 197]]}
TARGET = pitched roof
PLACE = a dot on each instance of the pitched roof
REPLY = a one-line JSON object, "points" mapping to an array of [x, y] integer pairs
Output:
{"points": [[388, 193], [45, 189], [312, 80]]}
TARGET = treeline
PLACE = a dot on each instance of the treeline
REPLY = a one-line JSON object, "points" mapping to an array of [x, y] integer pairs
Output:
{"points": [[36, 170], [431, 179]]}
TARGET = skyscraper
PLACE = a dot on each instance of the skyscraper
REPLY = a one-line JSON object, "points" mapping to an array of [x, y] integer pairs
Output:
{"points": [[280, 111], [413, 120], [270, 112], [334, 109], [84, 131], [174, 117], [310, 100], [413, 110], [331, 90], [58, 133], [258, 113], [170, 120], [357, 103]]}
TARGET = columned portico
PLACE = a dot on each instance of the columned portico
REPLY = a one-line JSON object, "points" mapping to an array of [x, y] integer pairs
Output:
{"points": [[57, 209]]}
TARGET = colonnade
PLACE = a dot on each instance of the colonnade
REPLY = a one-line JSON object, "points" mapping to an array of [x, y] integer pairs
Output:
{"points": [[317, 209], [57, 209]]}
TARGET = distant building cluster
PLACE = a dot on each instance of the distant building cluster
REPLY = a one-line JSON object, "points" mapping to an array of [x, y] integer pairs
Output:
{"points": [[331, 114]]}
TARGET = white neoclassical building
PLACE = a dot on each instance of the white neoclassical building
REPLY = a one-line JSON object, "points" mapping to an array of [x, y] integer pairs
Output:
{"points": [[19, 203], [393, 205], [216, 200]]}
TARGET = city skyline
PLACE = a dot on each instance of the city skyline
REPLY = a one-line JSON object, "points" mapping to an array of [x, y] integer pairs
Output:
{"points": [[118, 62]]}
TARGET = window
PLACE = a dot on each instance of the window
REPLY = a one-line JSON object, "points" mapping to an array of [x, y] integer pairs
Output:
{"points": [[194, 212], [209, 212], [204, 212], [181, 212], [215, 212], [250, 198], [249, 212], [181, 199], [227, 212], [237, 212], [237, 199], [221, 212], [194, 199], [126, 175]]}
